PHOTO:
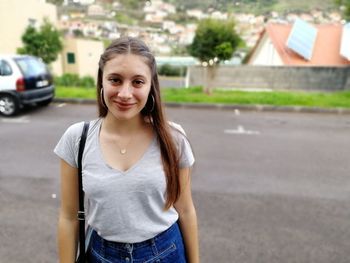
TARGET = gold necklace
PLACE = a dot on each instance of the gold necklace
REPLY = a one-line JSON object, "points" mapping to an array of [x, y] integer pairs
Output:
{"points": [[123, 150]]}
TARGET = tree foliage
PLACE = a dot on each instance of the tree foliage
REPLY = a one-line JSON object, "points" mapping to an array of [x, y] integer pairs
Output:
{"points": [[345, 7], [44, 43], [224, 5], [214, 39], [55, 2], [132, 4]]}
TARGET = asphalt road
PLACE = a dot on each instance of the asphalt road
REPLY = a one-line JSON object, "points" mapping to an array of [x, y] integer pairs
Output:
{"points": [[268, 187]]}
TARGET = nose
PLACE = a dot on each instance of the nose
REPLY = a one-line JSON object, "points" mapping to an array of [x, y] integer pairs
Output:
{"points": [[125, 91]]}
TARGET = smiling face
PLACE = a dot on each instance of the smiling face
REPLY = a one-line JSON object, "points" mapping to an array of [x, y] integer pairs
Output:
{"points": [[126, 82]]}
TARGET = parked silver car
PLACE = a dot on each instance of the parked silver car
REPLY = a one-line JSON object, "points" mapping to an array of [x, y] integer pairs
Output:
{"points": [[24, 80]]}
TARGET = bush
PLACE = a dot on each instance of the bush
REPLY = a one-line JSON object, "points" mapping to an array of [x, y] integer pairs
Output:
{"points": [[87, 82], [169, 70], [73, 80]]}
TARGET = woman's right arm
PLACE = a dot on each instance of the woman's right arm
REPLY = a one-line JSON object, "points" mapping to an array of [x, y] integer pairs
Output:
{"points": [[68, 224]]}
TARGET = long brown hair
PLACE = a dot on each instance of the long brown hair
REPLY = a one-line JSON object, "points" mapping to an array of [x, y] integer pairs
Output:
{"points": [[153, 110]]}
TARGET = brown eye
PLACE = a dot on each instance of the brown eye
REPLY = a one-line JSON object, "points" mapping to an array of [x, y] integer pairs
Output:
{"points": [[138, 82], [114, 80]]}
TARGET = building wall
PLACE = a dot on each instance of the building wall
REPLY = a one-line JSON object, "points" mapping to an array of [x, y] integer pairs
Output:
{"points": [[86, 56], [18, 14], [89, 52], [15, 16], [266, 54], [70, 47], [56, 66], [275, 78]]}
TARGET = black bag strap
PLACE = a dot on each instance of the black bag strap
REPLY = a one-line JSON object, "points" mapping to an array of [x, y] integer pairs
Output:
{"points": [[81, 211]]}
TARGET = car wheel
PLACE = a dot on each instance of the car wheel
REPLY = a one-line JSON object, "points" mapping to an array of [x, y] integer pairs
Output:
{"points": [[8, 105]]}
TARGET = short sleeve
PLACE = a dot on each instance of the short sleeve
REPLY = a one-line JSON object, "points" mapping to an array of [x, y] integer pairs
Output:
{"points": [[184, 146], [67, 146]]}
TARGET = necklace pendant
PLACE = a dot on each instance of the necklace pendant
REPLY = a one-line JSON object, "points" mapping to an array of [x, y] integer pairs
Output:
{"points": [[123, 151]]}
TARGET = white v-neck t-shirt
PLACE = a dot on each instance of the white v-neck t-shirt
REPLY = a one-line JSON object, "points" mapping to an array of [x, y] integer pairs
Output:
{"points": [[124, 206]]}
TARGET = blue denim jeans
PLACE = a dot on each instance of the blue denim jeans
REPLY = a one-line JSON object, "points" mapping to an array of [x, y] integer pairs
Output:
{"points": [[167, 247]]}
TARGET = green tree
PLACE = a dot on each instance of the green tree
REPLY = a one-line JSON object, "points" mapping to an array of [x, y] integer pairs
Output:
{"points": [[214, 41], [55, 2], [125, 19], [132, 4], [44, 43], [345, 7], [78, 33]]}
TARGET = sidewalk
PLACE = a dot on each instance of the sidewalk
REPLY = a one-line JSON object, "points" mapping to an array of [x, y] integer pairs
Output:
{"points": [[229, 106]]}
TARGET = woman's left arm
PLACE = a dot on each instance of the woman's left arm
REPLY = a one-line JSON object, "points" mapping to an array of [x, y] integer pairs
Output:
{"points": [[188, 217]]}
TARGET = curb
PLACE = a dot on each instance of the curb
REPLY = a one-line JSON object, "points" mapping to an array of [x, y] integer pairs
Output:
{"points": [[259, 108]]}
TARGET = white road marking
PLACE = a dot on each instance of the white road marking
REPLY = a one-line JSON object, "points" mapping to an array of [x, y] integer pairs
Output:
{"points": [[61, 105], [237, 112], [240, 130], [53, 196], [15, 120]]}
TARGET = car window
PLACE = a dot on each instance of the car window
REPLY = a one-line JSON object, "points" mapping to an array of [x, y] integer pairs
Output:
{"points": [[5, 68], [31, 66]]}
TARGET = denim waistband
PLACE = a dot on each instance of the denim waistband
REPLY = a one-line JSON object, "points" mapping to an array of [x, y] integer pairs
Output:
{"points": [[165, 235]]}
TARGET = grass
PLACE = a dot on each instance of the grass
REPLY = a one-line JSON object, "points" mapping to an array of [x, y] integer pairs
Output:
{"points": [[75, 92], [301, 5], [196, 95], [276, 98]]}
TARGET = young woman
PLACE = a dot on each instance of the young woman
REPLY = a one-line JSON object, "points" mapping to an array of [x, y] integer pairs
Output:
{"points": [[136, 169]]}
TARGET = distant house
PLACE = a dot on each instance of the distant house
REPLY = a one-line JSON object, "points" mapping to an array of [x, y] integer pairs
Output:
{"points": [[95, 10], [218, 15], [271, 48], [196, 13]]}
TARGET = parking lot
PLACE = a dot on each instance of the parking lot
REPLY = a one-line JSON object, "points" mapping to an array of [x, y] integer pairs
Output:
{"points": [[268, 186]]}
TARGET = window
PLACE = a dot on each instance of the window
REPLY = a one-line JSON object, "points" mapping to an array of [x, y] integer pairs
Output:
{"points": [[31, 66], [32, 22], [5, 69], [70, 58]]}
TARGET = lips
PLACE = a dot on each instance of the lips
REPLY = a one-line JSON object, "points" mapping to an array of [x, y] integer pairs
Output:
{"points": [[124, 106]]}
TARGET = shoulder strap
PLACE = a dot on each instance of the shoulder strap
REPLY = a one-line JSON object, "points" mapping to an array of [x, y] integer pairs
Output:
{"points": [[81, 212]]}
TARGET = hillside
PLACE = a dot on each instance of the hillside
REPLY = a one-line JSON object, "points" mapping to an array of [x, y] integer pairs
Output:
{"points": [[255, 6]]}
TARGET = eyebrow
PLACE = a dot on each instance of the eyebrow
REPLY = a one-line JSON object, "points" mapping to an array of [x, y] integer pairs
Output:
{"points": [[121, 76]]}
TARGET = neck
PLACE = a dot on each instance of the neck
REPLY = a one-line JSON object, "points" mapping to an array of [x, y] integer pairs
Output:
{"points": [[122, 127]]}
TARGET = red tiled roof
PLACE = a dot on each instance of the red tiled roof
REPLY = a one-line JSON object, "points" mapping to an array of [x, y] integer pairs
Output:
{"points": [[326, 49]]}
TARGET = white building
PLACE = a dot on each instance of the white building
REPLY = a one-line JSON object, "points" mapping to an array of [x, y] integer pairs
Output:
{"points": [[29, 12], [17, 24]]}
